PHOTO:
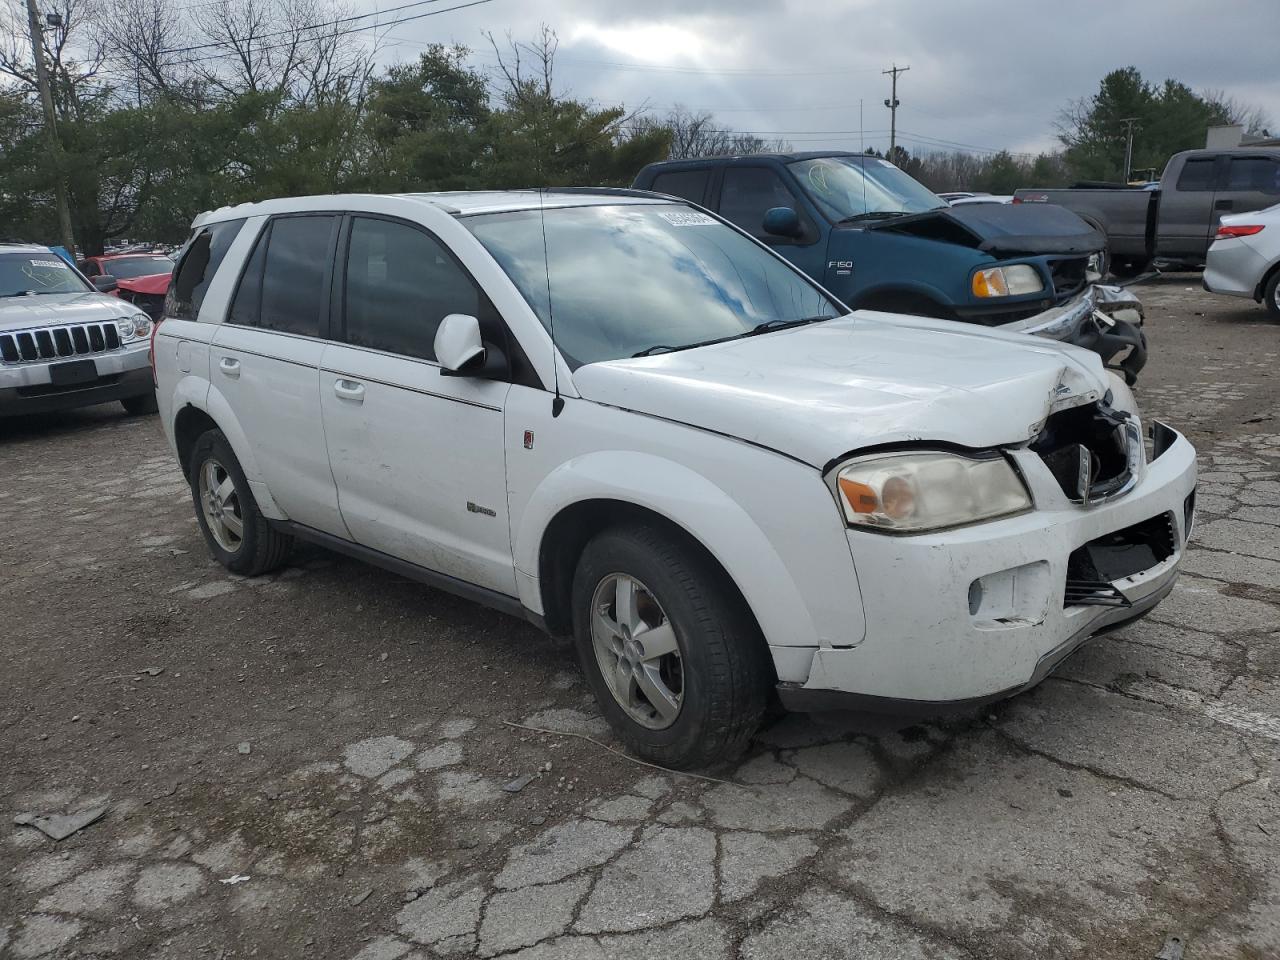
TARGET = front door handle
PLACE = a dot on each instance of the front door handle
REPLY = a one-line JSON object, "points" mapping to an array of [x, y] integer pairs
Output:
{"points": [[230, 366], [349, 390]]}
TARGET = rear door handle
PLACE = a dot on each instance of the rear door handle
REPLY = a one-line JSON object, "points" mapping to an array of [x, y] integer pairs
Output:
{"points": [[230, 366], [349, 390], [1224, 205]]}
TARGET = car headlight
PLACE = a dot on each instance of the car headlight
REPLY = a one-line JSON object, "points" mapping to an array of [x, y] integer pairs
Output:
{"points": [[134, 328], [1012, 281], [914, 491]]}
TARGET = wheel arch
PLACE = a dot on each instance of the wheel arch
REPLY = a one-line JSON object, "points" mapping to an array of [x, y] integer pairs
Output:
{"points": [[1260, 290], [892, 299], [590, 494]]}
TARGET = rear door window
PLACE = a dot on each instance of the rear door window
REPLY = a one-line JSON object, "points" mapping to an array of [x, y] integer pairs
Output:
{"points": [[197, 263], [689, 184], [284, 283], [1197, 174], [401, 282]]}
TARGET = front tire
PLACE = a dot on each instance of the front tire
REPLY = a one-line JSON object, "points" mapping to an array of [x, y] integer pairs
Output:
{"points": [[238, 535], [673, 656]]}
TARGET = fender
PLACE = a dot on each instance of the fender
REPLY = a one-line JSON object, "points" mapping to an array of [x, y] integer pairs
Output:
{"points": [[910, 288], [689, 500], [189, 391], [217, 407]]}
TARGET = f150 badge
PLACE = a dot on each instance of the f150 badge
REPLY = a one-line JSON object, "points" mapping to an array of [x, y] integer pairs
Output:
{"points": [[843, 268]]}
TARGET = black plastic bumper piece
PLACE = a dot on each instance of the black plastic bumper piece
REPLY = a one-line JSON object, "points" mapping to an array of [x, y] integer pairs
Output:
{"points": [[22, 401]]}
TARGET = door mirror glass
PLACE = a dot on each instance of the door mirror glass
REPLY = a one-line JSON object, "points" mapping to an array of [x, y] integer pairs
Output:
{"points": [[458, 345], [104, 283], [782, 222]]}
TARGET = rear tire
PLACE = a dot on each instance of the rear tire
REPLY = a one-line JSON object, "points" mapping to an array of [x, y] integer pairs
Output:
{"points": [[139, 405], [238, 535], [1271, 295], [713, 684]]}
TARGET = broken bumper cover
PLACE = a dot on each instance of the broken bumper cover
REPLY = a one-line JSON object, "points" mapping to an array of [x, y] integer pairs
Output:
{"points": [[966, 616], [1104, 318]]}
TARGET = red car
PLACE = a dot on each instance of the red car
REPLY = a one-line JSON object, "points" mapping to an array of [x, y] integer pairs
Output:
{"points": [[141, 278]]}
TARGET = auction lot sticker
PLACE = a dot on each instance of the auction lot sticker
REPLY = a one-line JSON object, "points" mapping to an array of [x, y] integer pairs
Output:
{"points": [[686, 218]]}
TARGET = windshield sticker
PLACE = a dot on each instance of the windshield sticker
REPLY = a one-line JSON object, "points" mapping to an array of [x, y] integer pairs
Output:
{"points": [[686, 218], [55, 264]]}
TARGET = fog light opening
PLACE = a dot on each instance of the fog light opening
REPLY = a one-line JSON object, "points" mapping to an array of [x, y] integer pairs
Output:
{"points": [[975, 597]]}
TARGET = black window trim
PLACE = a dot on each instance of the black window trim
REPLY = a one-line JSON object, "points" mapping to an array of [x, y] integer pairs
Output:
{"points": [[323, 326], [516, 357]]}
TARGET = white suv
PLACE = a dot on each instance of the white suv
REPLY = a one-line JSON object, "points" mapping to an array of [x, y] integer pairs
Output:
{"points": [[620, 417]]}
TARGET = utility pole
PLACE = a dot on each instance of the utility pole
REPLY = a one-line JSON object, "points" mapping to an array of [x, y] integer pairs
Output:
{"points": [[51, 130], [1128, 145], [892, 104]]}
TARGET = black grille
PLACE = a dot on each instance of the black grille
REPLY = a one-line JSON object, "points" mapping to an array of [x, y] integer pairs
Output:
{"points": [[51, 343], [1069, 275], [1093, 569]]}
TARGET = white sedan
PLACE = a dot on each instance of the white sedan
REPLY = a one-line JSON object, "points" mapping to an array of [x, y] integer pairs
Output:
{"points": [[1244, 259]]}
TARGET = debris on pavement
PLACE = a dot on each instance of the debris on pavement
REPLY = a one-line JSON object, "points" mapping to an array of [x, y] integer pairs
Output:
{"points": [[233, 880], [519, 783], [245, 748], [1172, 949], [58, 826]]}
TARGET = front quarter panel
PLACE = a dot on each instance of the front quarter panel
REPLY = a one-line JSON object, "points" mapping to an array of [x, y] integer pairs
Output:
{"points": [[767, 519]]}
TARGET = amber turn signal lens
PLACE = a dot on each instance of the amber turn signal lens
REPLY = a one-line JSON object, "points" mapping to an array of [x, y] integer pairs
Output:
{"points": [[862, 499]]}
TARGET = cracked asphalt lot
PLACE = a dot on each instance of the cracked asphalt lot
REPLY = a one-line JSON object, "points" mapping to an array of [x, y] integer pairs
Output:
{"points": [[312, 764]]}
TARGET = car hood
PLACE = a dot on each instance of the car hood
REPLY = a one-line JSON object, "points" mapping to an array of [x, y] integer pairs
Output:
{"points": [[818, 392], [1004, 229], [48, 309], [156, 283]]}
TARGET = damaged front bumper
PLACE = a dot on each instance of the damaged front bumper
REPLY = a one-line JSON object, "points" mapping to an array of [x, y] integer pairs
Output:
{"points": [[1104, 318]]}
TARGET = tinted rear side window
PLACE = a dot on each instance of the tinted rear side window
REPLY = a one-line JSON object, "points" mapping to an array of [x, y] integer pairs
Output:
{"points": [[1197, 174], [197, 264], [284, 283], [401, 282], [690, 184]]}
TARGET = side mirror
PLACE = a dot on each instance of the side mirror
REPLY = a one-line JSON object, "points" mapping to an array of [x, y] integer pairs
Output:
{"points": [[458, 346], [783, 222], [104, 283]]}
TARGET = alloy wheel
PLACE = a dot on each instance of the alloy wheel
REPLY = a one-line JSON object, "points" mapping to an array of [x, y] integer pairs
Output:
{"points": [[636, 650], [221, 505]]}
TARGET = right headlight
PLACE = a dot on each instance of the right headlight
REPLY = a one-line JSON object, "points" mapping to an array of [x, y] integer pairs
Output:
{"points": [[915, 491]]}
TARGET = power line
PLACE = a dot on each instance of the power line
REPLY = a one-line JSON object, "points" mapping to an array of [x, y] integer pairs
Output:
{"points": [[359, 29], [314, 26]]}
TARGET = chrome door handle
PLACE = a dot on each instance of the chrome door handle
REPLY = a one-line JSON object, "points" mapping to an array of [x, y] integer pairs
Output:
{"points": [[349, 390], [230, 366]]}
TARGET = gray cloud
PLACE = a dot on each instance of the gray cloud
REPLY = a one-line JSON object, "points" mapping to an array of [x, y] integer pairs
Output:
{"points": [[983, 75]]}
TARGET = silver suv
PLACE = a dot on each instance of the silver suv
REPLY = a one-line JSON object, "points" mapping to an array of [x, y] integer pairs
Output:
{"points": [[63, 343]]}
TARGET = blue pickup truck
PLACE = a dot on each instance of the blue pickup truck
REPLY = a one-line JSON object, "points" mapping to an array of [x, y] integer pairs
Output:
{"points": [[880, 240]]}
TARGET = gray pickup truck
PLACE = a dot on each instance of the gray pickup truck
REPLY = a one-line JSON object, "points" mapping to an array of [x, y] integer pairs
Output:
{"points": [[1175, 220]]}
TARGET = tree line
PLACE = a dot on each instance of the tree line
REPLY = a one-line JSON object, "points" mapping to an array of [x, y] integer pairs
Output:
{"points": [[165, 110]]}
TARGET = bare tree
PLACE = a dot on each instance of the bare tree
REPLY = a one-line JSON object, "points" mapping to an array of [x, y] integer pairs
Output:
{"points": [[699, 135], [1253, 118], [73, 53], [145, 41]]}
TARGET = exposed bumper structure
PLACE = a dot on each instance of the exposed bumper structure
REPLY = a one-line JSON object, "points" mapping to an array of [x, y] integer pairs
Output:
{"points": [[1104, 318], [980, 613]]}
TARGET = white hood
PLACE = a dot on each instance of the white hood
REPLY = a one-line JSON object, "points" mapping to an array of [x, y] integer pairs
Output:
{"points": [[818, 392], [48, 309]]}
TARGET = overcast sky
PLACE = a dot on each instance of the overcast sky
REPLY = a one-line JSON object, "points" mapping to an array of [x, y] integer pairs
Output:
{"points": [[983, 75]]}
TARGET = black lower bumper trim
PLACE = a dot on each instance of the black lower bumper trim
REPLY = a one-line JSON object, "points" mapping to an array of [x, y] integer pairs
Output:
{"points": [[19, 401]]}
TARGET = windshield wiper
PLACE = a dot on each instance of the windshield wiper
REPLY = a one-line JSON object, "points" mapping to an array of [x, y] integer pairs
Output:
{"points": [[873, 215], [766, 327], [770, 325]]}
